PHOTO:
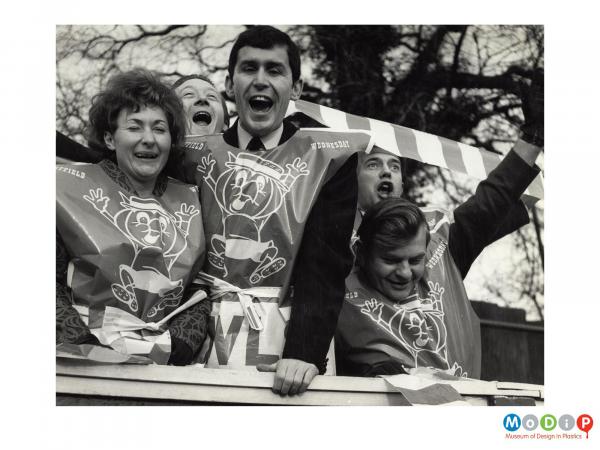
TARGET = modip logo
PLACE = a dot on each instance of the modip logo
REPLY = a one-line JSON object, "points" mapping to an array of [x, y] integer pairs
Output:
{"points": [[585, 423], [547, 427], [512, 422]]}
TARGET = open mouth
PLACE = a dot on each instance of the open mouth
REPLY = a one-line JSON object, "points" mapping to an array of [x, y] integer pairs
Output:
{"points": [[260, 103], [385, 189], [145, 155], [202, 118]]}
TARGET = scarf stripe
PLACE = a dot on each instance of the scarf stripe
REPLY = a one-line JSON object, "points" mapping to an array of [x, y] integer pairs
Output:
{"points": [[413, 144]]}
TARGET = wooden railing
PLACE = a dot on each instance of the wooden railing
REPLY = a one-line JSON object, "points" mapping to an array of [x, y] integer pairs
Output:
{"points": [[82, 382]]}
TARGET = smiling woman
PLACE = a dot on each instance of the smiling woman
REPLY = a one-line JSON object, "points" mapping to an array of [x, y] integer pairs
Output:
{"points": [[137, 115], [142, 143], [129, 239]]}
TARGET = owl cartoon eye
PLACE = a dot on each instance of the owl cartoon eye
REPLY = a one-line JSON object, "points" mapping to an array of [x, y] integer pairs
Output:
{"points": [[142, 218], [240, 178]]}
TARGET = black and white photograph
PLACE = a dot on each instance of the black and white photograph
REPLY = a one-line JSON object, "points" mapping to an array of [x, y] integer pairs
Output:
{"points": [[292, 225], [333, 214]]}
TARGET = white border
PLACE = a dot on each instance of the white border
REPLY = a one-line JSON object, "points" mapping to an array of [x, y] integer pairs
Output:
{"points": [[27, 39]]}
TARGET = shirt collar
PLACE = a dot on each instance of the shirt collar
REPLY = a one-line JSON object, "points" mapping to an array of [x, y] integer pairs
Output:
{"points": [[270, 141]]}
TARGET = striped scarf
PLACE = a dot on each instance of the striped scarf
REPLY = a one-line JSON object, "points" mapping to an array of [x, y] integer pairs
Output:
{"points": [[413, 144]]}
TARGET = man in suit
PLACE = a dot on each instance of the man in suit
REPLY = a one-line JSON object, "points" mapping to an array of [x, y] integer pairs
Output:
{"points": [[279, 205]]}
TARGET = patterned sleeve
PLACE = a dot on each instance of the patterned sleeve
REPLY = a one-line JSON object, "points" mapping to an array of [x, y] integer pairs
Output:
{"points": [[69, 326], [188, 331]]}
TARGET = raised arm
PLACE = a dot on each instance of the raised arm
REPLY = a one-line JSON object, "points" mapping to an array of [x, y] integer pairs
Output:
{"points": [[495, 205]]}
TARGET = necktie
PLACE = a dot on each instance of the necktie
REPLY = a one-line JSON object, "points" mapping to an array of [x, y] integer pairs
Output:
{"points": [[255, 144]]}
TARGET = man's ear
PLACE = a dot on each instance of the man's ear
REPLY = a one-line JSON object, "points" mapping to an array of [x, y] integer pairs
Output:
{"points": [[229, 87], [297, 89], [109, 141]]}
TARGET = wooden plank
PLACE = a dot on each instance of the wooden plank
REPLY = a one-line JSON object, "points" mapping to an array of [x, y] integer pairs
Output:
{"points": [[223, 377], [220, 377], [513, 385], [88, 400], [521, 386], [153, 392], [190, 393]]}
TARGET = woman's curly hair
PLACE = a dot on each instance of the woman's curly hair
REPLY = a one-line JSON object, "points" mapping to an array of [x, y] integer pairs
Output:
{"points": [[133, 89]]}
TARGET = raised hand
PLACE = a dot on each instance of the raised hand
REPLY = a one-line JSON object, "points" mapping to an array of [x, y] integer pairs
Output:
{"points": [[435, 294], [373, 308], [205, 165], [97, 199], [297, 168], [186, 212]]}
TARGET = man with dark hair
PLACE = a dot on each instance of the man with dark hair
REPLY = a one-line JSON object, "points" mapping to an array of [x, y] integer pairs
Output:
{"points": [[279, 206], [406, 305], [379, 177], [266, 38], [397, 229]]}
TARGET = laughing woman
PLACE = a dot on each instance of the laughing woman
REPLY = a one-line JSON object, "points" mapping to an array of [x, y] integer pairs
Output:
{"points": [[130, 239]]}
